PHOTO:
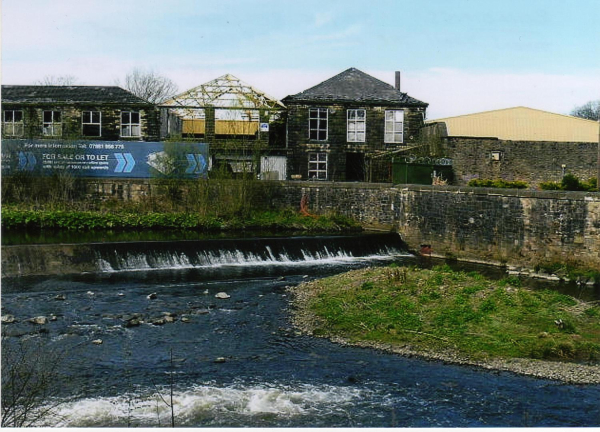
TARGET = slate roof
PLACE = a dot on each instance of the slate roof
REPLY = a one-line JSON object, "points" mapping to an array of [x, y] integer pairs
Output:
{"points": [[38, 94], [353, 85]]}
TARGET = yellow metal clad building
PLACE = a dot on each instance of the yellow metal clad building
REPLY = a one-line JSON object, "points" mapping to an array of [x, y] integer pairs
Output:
{"points": [[522, 124]]}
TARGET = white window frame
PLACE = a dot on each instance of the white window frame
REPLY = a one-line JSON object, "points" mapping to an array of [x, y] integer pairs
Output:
{"points": [[317, 165], [54, 126], [131, 129], [356, 125], [91, 122], [394, 127], [314, 114], [13, 127]]}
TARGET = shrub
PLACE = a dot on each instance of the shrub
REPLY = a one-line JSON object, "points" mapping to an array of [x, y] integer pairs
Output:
{"points": [[498, 183], [571, 183], [550, 185]]}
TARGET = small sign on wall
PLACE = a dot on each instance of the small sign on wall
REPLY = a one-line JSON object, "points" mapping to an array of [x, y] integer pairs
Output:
{"points": [[264, 127]]}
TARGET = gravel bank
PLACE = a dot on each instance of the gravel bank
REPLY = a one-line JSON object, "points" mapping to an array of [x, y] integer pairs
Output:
{"points": [[571, 373]]}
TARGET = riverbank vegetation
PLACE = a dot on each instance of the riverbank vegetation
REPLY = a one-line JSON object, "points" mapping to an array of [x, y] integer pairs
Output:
{"points": [[126, 219], [63, 202], [440, 310]]}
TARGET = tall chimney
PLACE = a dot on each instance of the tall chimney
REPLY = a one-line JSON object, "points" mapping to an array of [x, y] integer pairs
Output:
{"points": [[397, 80]]}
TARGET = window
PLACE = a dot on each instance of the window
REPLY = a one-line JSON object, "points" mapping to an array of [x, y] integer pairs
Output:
{"points": [[130, 124], [317, 166], [394, 126], [51, 123], [13, 122], [317, 124], [356, 125], [90, 121]]}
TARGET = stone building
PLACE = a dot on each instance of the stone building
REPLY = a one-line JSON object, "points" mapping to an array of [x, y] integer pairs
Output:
{"points": [[347, 127], [518, 143], [77, 112], [243, 126]]}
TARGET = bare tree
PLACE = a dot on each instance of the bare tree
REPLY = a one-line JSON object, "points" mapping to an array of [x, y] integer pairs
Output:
{"points": [[149, 85], [29, 381], [590, 110], [64, 80]]}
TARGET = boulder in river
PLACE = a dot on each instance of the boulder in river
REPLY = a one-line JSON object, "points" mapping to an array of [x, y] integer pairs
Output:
{"points": [[8, 319], [151, 296], [133, 322], [222, 295], [38, 320]]}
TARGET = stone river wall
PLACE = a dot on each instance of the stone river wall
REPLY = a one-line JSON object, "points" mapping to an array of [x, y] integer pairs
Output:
{"points": [[514, 227]]}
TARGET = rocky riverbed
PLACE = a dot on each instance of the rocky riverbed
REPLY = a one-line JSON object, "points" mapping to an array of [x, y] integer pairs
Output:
{"points": [[568, 372]]}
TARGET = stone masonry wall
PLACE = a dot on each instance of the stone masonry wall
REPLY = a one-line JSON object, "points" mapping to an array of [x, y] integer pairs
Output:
{"points": [[503, 226], [532, 162]]}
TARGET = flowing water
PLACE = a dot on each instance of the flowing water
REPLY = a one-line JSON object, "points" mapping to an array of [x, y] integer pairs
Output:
{"points": [[236, 361]]}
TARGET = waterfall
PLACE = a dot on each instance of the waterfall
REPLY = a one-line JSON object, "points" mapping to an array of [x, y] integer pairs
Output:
{"points": [[253, 252]]}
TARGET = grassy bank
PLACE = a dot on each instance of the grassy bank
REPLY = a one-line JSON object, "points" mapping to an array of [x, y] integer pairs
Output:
{"points": [[440, 310], [24, 219]]}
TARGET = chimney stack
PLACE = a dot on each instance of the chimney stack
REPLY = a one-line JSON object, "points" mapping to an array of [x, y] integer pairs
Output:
{"points": [[397, 86]]}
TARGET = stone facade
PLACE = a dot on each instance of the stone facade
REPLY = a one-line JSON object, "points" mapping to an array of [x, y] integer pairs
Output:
{"points": [[58, 112], [532, 162], [348, 127], [348, 161], [71, 122]]}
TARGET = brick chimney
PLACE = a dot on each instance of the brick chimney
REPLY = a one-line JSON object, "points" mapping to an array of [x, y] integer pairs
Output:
{"points": [[397, 86]]}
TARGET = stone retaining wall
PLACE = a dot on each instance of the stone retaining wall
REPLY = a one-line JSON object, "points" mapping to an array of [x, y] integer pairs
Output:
{"points": [[516, 227]]}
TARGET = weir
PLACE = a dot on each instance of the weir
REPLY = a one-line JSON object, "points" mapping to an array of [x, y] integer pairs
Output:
{"points": [[198, 254]]}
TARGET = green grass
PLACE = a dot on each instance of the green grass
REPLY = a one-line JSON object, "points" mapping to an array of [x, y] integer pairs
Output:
{"points": [[461, 312], [22, 219]]}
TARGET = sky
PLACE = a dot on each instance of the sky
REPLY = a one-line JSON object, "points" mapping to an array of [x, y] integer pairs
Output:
{"points": [[460, 56]]}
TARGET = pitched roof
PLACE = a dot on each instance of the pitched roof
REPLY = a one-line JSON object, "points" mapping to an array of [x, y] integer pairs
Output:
{"points": [[226, 91], [353, 85], [522, 124], [32, 94]]}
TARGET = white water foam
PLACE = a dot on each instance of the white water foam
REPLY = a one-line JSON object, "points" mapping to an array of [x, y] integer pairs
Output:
{"points": [[222, 259], [204, 402]]}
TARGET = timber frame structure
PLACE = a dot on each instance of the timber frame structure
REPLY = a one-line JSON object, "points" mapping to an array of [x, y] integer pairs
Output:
{"points": [[244, 127]]}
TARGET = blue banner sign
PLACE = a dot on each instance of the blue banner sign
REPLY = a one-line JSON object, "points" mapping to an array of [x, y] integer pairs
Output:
{"points": [[122, 159]]}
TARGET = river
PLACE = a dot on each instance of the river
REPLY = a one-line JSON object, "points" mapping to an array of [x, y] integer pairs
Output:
{"points": [[150, 322]]}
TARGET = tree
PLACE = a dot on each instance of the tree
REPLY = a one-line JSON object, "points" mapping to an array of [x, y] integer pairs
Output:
{"points": [[590, 110], [149, 86], [51, 80]]}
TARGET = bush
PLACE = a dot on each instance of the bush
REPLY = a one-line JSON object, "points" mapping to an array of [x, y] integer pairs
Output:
{"points": [[550, 185], [570, 182], [498, 183]]}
